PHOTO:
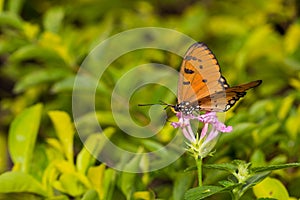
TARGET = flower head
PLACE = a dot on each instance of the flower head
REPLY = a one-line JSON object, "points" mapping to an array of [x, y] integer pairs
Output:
{"points": [[201, 145]]}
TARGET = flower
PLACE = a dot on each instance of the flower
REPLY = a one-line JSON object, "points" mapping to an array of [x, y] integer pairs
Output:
{"points": [[201, 146]]}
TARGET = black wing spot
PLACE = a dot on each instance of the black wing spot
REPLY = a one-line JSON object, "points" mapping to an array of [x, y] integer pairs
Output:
{"points": [[188, 71], [186, 82], [204, 80], [201, 66], [241, 94], [190, 58]]}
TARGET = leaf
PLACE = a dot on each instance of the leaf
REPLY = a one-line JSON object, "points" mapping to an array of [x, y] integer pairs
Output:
{"points": [[271, 188], [182, 183], [10, 19], [22, 196], [258, 158], [285, 107], [230, 167], [19, 182], [253, 180], [65, 131], [38, 53], [239, 131], [144, 195], [70, 184], [83, 83], [261, 136], [90, 195], [291, 39], [22, 136], [15, 6], [109, 183], [274, 167], [96, 177], [92, 146], [53, 19], [38, 77], [292, 126], [202, 192], [3, 152]]}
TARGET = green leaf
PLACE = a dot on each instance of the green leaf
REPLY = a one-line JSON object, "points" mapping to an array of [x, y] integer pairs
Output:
{"points": [[38, 53], [230, 167], [128, 183], [271, 188], [90, 195], [239, 131], [83, 83], [266, 132], [3, 152], [92, 146], [22, 196], [70, 184], [15, 6], [38, 77], [19, 182], [65, 131], [253, 180], [203, 192], [274, 167], [109, 183], [22, 136], [182, 183], [9, 19], [258, 158], [53, 19]]}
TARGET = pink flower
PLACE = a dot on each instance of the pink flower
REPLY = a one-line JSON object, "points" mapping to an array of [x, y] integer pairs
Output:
{"points": [[212, 127]]}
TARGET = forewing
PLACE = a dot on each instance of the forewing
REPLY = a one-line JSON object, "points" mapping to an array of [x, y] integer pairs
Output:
{"points": [[200, 74]]}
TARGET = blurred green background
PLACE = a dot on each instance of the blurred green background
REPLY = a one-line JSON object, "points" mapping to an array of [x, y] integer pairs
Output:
{"points": [[43, 43]]}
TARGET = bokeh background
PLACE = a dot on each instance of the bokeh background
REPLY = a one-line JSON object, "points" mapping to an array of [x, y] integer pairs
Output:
{"points": [[43, 43]]}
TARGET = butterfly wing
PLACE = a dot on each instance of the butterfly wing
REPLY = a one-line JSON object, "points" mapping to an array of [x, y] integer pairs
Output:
{"points": [[215, 102], [200, 74], [201, 82]]}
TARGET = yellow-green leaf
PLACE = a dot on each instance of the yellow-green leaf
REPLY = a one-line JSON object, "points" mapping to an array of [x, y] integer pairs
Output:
{"points": [[285, 106], [144, 195], [270, 188], [96, 176], [19, 182], [22, 135], [92, 146], [65, 131]]}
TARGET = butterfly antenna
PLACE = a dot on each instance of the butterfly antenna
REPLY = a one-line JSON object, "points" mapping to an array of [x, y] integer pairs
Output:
{"points": [[165, 104], [160, 103], [148, 104]]}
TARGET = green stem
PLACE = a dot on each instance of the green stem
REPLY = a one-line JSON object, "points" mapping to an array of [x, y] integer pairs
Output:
{"points": [[235, 194], [199, 168]]}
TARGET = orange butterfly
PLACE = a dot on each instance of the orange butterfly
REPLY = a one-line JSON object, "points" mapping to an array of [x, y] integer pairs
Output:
{"points": [[201, 86]]}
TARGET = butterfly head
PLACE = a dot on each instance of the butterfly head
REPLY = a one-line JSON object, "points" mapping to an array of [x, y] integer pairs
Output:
{"points": [[186, 107]]}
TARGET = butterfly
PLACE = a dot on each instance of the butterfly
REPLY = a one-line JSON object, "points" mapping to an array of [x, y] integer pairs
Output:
{"points": [[201, 86]]}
